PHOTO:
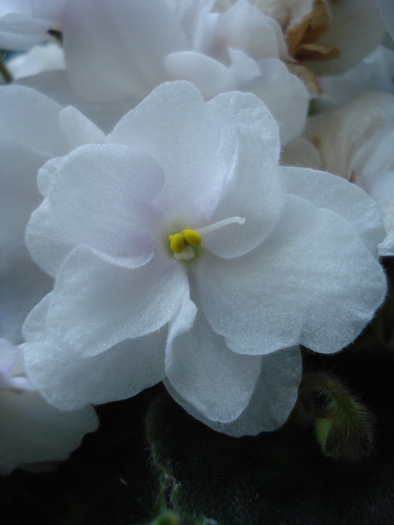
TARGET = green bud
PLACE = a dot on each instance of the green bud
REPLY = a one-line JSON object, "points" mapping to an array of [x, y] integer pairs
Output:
{"points": [[168, 518], [344, 427]]}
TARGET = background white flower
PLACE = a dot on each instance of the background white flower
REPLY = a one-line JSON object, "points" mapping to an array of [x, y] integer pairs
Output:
{"points": [[34, 132], [301, 268], [32, 431]]}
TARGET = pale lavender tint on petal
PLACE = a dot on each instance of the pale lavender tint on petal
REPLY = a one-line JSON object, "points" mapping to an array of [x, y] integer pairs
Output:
{"points": [[69, 381], [102, 197]]}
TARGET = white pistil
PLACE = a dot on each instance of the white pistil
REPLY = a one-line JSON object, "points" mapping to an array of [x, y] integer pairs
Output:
{"points": [[220, 224]]}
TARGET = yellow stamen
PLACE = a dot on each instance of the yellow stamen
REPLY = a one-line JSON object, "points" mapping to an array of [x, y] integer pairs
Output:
{"points": [[192, 237], [177, 242]]}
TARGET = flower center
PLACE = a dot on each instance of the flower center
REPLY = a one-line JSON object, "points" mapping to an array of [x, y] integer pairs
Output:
{"points": [[183, 244]]}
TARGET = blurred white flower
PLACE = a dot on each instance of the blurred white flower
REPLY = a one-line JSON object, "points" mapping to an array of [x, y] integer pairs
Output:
{"points": [[355, 141], [25, 23], [183, 219], [116, 53], [32, 431], [34, 132]]}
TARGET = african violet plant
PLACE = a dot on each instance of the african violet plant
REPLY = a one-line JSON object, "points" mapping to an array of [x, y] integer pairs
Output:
{"points": [[197, 193]]}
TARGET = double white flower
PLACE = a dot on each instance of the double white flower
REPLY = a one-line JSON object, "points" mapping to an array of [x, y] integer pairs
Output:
{"points": [[285, 258]]}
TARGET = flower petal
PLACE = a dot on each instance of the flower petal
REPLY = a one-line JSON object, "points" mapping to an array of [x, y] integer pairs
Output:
{"points": [[217, 382], [312, 282], [356, 29], [175, 126], [33, 431], [102, 197], [347, 200], [142, 32], [46, 242], [29, 118], [208, 74], [243, 109], [274, 396], [285, 96], [69, 382], [254, 191], [22, 285], [96, 305]]}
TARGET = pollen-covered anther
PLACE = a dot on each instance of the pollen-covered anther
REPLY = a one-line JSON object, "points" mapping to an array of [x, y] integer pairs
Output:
{"points": [[182, 244]]}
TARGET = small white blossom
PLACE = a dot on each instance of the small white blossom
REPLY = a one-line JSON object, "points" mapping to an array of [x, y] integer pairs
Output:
{"points": [[32, 431], [182, 251], [355, 141]]}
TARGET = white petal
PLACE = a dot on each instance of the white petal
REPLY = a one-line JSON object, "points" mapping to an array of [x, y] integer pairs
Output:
{"points": [[176, 127], [208, 74], [19, 32], [22, 285], [312, 282], [285, 96], [102, 197], [338, 134], [70, 382], [274, 396], [245, 27], [244, 109], [18, 190], [32, 431], [387, 10], [9, 356], [300, 152], [56, 85], [213, 379], [78, 129], [46, 242], [31, 119], [356, 29], [96, 305], [116, 51], [347, 200], [253, 191]]}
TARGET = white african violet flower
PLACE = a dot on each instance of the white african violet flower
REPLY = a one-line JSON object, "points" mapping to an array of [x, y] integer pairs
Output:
{"points": [[31, 430], [33, 130], [355, 142], [25, 23], [387, 10], [355, 27], [182, 251], [116, 53]]}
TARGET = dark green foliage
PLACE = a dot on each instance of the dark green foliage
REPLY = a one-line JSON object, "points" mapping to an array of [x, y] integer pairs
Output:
{"points": [[282, 477]]}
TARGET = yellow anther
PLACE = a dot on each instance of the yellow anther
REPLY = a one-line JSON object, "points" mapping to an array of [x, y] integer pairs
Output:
{"points": [[192, 237], [177, 243]]}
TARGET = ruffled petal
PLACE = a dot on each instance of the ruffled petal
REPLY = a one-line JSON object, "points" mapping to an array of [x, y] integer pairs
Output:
{"points": [[142, 32], [22, 285], [285, 96], [9, 356], [245, 27], [254, 191], [312, 282], [102, 197], [46, 242], [96, 305], [176, 127], [78, 129], [18, 190], [243, 109], [273, 398], [31, 119], [70, 382], [356, 29], [217, 382], [32, 431], [208, 74], [19, 31], [347, 200]]}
